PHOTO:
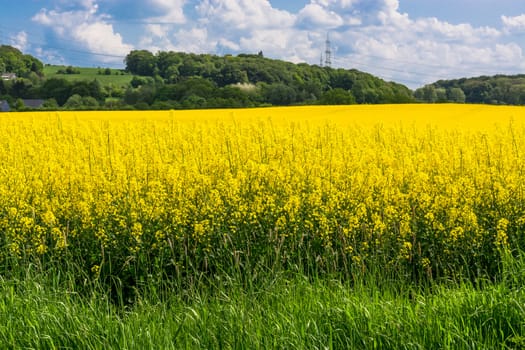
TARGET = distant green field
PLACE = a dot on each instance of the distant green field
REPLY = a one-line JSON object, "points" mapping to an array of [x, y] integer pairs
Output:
{"points": [[118, 77]]}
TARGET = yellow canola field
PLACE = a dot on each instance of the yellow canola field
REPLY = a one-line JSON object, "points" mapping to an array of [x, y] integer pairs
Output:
{"points": [[419, 189]]}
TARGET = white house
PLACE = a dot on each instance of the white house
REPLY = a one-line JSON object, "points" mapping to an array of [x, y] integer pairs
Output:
{"points": [[8, 76]]}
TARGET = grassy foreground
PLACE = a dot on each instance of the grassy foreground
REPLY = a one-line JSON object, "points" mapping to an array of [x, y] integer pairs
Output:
{"points": [[282, 313]]}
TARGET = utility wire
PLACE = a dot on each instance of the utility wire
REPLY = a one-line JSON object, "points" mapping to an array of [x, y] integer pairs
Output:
{"points": [[79, 55]]}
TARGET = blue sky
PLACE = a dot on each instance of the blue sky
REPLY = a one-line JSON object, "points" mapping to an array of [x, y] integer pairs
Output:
{"points": [[413, 42]]}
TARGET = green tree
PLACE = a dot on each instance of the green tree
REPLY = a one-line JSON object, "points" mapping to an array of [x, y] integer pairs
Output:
{"points": [[19, 105], [456, 95], [21, 88], [16, 62], [342, 78], [138, 81], [337, 96], [131, 96], [141, 62], [441, 95], [172, 74], [194, 101], [77, 102], [167, 64], [33, 64], [50, 104], [478, 91], [74, 102], [195, 86], [426, 94], [89, 102], [365, 91], [516, 94], [57, 88], [230, 74], [279, 94], [81, 88], [144, 95], [112, 90]]}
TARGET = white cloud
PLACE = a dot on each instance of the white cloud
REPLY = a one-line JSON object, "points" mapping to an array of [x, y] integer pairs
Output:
{"points": [[516, 23], [50, 56], [244, 14], [172, 11], [19, 40], [223, 26], [314, 16], [86, 29], [390, 44], [195, 40], [228, 44], [101, 38], [158, 33], [370, 35]]}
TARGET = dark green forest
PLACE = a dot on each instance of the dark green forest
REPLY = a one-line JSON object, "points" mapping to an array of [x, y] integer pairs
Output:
{"points": [[177, 80]]}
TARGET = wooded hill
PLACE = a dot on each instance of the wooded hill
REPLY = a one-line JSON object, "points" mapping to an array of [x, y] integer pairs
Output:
{"points": [[252, 80], [173, 80]]}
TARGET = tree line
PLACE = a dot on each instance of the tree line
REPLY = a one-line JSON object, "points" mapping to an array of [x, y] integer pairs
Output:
{"points": [[176, 80], [248, 80], [498, 90]]}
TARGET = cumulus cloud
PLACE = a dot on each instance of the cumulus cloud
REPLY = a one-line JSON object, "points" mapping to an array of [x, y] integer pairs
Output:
{"points": [[224, 26], [159, 31], [359, 11], [315, 16], [390, 44], [516, 23], [86, 29], [172, 11], [371, 35], [19, 40], [244, 14]]}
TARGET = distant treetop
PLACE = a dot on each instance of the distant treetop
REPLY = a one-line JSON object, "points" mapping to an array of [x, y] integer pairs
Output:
{"points": [[13, 60]]}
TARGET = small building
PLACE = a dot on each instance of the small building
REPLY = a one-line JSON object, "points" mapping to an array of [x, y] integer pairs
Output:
{"points": [[33, 103], [4, 106], [8, 76]]}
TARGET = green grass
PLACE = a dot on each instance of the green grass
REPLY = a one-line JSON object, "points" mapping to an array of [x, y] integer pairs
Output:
{"points": [[280, 311], [116, 78]]}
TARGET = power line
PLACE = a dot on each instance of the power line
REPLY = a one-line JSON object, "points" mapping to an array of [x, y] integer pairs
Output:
{"points": [[386, 68], [61, 48], [79, 55], [434, 77], [422, 64]]}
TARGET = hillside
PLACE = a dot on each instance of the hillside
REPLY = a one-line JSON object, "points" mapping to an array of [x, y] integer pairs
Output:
{"points": [[259, 80], [175, 80], [14, 61], [498, 89], [105, 76]]}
